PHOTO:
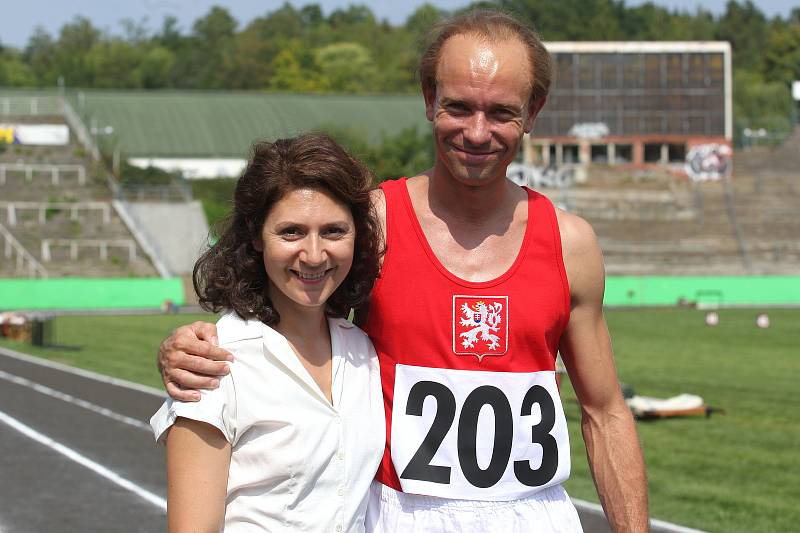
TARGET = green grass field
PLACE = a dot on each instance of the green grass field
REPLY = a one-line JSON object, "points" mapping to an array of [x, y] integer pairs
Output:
{"points": [[733, 472], [120, 346]]}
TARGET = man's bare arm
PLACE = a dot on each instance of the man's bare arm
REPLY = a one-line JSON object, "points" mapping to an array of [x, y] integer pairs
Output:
{"points": [[190, 359], [609, 431]]}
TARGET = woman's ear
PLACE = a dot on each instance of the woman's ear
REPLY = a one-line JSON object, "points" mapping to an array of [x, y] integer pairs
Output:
{"points": [[258, 245]]}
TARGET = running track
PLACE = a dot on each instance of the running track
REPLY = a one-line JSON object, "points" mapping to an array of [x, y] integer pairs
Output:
{"points": [[77, 454]]}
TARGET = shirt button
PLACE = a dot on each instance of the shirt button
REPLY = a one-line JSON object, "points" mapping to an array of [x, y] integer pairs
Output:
{"points": [[340, 455], [338, 527], [341, 491], [338, 419]]}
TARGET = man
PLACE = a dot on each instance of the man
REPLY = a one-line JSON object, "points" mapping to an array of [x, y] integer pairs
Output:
{"points": [[482, 284]]}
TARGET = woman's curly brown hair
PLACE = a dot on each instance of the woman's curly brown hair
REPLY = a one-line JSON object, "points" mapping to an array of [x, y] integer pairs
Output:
{"points": [[231, 275]]}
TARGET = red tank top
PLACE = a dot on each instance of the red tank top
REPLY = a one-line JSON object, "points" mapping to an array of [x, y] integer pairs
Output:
{"points": [[470, 366]]}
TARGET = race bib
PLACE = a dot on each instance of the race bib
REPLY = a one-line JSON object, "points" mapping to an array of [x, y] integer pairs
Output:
{"points": [[476, 435]]}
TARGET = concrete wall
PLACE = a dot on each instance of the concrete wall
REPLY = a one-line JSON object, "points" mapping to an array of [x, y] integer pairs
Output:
{"points": [[179, 231]]}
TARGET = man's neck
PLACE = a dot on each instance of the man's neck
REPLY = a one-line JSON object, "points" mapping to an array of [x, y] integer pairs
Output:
{"points": [[474, 205]]}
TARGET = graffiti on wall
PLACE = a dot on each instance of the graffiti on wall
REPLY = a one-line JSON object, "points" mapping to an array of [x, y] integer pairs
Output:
{"points": [[709, 162], [541, 177], [589, 130]]}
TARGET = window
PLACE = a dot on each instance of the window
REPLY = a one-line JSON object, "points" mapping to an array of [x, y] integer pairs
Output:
{"points": [[623, 153], [570, 153], [652, 152], [599, 153], [677, 153]]}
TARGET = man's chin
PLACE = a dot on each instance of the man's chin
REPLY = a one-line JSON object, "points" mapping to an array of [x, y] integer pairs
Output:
{"points": [[475, 175]]}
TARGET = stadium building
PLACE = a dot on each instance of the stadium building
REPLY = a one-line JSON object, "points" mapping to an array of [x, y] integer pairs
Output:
{"points": [[206, 134], [633, 103]]}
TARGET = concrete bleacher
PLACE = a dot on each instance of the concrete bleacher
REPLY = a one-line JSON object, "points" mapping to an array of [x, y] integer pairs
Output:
{"points": [[662, 223], [57, 214]]}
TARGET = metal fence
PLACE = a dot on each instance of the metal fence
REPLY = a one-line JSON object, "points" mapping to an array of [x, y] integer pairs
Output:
{"points": [[31, 106]]}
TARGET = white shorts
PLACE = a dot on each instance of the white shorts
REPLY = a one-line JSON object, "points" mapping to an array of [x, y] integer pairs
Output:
{"points": [[548, 511]]}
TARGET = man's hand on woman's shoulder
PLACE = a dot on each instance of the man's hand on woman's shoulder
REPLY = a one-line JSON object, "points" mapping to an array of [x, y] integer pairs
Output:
{"points": [[190, 359]]}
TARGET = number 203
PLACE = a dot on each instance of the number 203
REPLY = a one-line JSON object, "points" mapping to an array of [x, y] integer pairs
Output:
{"points": [[420, 467]]}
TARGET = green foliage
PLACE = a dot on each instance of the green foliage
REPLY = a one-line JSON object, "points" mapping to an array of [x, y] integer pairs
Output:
{"points": [[302, 50], [133, 175], [346, 67], [782, 53], [216, 195], [155, 68], [114, 64], [759, 104], [406, 154], [745, 26], [14, 72]]}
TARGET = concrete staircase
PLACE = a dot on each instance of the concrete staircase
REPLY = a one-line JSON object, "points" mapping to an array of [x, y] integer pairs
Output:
{"points": [[82, 242], [660, 223]]}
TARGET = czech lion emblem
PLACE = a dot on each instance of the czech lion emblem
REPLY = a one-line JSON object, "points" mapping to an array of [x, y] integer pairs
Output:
{"points": [[480, 325]]}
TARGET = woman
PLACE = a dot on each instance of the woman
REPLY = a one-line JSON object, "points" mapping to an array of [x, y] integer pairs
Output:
{"points": [[292, 438]]}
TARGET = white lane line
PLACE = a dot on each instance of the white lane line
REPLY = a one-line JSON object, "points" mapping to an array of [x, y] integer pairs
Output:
{"points": [[83, 373], [661, 524], [43, 389], [97, 468]]}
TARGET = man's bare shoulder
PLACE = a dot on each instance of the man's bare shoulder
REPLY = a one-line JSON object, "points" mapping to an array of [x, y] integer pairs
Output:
{"points": [[583, 259], [577, 235]]}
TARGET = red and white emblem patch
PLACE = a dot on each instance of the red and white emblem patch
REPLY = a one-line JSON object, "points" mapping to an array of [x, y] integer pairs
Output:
{"points": [[480, 325]]}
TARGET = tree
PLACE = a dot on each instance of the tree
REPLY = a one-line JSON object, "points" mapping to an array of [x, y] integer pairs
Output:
{"points": [[760, 104], [114, 64], [75, 41], [781, 56], [13, 71], [170, 36], [155, 68], [258, 45], [289, 75], [746, 29], [420, 22], [205, 60], [346, 67], [311, 15], [40, 56]]}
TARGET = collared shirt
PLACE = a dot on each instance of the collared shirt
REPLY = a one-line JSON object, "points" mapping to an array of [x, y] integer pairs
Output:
{"points": [[298, 462]]}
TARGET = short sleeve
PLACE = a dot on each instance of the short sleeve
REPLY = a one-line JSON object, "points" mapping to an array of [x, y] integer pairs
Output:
{"points": [[216, 407]]}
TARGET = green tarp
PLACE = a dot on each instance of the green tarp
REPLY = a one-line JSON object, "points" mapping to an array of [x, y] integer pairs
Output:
{"points": [[80, 293], [720, 291]]}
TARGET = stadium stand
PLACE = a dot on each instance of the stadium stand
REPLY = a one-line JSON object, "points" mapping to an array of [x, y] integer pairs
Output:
{"points": [[655, 222], [56, 208]]}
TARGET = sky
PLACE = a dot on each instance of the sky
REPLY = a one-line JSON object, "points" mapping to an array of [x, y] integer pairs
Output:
{"points": [[18, 18]]}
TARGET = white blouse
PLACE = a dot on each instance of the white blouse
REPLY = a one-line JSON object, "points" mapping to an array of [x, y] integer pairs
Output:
{"points": [[298, 463]]}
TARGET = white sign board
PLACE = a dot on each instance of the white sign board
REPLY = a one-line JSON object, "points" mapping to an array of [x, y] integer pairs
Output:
{"points": [[35, 134], [194, 168], [796, 90]]}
